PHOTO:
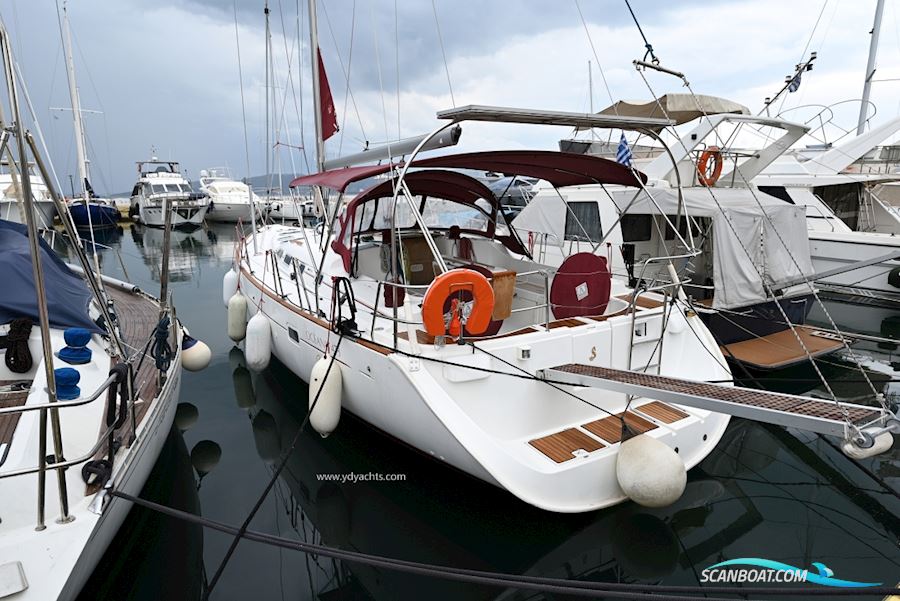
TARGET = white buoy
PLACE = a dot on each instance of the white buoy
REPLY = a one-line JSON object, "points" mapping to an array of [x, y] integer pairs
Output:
{"points": [[229, 285], [258, 347], [327, 413], [883, 442], [237, 316], [195, 354], [649, 472]]}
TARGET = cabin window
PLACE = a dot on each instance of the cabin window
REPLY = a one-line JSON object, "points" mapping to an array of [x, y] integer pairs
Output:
{"points": [[682, 227], [137, 190], [778, 192], [637, 228], [158, 188], [293, 334], [583, 222]]}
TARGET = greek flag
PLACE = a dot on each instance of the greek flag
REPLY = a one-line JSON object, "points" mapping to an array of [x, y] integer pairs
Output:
{"points": [[795, 84], [623, 154]]}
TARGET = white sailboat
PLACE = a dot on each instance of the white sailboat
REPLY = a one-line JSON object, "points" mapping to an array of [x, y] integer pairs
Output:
{"points": [[84, 411]]}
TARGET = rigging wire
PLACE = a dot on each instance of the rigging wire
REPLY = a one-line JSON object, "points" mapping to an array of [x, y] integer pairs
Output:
{"points": [[596, 57], [437, 25], [237, 40], [346, 72]]}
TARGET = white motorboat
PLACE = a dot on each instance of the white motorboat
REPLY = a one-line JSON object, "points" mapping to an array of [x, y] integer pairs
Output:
{"points": [[849, 215], [294, 207], [751, 282], [229, 199], [10, 207], [160, 184]]}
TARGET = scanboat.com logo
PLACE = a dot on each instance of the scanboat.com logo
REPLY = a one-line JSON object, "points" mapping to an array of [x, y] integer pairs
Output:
{"points": [[768, 571]]}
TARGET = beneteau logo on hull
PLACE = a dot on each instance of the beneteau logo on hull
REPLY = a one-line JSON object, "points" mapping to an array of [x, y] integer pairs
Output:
{"points": [[767, 571]]}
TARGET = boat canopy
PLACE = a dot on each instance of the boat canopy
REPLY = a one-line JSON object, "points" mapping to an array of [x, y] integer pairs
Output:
{"points": [[753, 233], [558, 168], [680, 108], [68, 297], [450, 200]]}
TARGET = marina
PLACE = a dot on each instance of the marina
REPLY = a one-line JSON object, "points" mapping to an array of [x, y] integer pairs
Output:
{"points": [[539, 351]]}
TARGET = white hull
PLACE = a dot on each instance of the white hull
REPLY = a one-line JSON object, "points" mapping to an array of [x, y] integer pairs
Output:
{"points": [[58, 560], [832, 250], [229, 212], [482, 423], [182, 216], [45, 211]]}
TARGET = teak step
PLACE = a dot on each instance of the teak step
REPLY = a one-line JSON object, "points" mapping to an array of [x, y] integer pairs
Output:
{"points": [[805, 413], [561, 446], [782, 349], [610, 428]]}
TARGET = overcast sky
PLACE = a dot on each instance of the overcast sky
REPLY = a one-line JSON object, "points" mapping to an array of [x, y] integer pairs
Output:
{"points": [[165, 74]]}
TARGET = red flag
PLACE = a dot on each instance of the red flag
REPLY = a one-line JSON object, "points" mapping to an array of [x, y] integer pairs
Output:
{"points": [[326, 103]]}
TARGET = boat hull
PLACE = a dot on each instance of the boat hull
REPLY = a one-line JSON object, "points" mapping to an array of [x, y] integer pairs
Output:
{"points": [[228, 212], [424, 405], [832, 250], [184, 216], [45, 211], [94, 215], [757, 320]]}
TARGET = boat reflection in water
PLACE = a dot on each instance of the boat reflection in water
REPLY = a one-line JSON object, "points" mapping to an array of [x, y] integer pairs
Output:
{"points": [[155, 556], [764, 492]]}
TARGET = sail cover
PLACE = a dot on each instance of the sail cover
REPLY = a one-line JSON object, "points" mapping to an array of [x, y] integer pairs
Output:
{"points": [[68, 296]]}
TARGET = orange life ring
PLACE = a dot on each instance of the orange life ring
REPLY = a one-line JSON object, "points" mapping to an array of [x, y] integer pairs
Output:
{"points": [[447, 285], [706, 178]]}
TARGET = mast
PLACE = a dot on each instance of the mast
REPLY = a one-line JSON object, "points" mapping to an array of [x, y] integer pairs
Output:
{"points": [[870, 68], [76, 105]]}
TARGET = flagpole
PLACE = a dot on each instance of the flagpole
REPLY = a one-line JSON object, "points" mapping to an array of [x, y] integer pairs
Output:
{"points": [[317, 108]]}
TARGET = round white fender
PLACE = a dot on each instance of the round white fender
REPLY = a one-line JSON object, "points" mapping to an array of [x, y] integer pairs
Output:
{"points": [[883, 442], [237, 316], [195, 354], [649, 472], [327, 412], [258, 348], [229, 285]]}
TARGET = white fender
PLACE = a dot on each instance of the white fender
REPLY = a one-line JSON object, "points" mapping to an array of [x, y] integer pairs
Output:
{"points": [[258, 347], [195, 354], [649, 472], [327, 413], [883, 442], [229, 285], [237, 316]]}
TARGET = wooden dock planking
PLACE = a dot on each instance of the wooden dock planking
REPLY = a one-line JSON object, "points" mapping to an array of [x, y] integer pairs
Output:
{"points": [[560, 446], [781, 349]]}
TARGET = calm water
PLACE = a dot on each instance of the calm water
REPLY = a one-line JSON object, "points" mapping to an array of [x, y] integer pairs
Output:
{"points": [[764, 492]]}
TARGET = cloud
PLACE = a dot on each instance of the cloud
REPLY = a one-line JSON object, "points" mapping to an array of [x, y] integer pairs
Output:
{"points": [[167, 75]]}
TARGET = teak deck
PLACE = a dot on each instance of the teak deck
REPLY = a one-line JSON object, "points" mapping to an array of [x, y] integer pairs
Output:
{"points": [[781, 349], [14, 393], [561, 446]]}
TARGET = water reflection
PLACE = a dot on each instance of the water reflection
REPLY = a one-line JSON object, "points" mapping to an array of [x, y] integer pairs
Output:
{"points": [[141, 564], [763, 492]]}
